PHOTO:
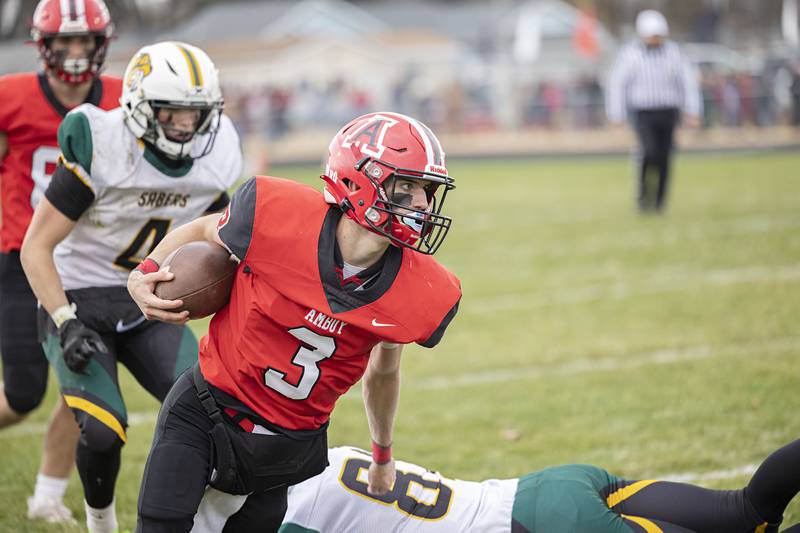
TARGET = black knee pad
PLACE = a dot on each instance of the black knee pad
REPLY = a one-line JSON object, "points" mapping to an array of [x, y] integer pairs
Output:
{"points": [[24, 363], [24, 367], [97, 436], [24, 399], [149, 525]]}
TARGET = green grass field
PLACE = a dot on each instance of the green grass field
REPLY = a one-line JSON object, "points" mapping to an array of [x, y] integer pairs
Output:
{"points": [[651, 346]]}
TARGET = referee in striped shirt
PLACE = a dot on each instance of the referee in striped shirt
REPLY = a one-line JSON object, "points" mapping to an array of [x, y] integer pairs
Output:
{"points": [[651, 86]]}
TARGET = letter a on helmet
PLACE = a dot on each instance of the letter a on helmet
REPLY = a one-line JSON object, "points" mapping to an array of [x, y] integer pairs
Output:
{"points": [[366, 160]]}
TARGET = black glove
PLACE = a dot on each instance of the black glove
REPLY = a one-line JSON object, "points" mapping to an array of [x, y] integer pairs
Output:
{"points": [[79, 344]]}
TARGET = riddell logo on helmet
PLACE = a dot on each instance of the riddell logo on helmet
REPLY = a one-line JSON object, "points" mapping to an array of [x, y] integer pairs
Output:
{"points": [[436, 169], [369, 137]]}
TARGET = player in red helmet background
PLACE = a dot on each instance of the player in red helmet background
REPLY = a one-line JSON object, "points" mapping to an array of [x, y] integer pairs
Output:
{"points": [[87, 19], [72, 38], [329, 288]]}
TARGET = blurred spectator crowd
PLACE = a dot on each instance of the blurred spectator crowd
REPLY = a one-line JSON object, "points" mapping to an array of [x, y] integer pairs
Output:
{"points": [[765, 98]]}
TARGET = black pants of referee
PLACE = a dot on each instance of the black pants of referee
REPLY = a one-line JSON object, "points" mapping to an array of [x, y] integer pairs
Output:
{"points": [[655, 129]]}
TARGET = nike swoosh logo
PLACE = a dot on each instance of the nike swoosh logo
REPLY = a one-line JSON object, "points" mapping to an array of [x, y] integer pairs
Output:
{"points": [[379, 325], [122, 327]]}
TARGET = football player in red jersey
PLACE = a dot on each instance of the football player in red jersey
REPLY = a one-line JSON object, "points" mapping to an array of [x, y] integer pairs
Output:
{"points": [[72, 38], [329, 288]]}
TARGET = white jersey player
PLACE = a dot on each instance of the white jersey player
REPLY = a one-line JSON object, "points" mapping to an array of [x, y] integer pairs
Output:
{"points": [[562, 499], [421, 501], [138, 197], [337, 501], [125, 178]]}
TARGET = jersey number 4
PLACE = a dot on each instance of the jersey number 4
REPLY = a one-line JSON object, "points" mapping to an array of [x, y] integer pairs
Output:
{"points": [[145, 240], [313, 349]]}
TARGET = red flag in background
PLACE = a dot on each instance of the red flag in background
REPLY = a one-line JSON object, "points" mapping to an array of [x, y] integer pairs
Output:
{"points": [[585, 37]]}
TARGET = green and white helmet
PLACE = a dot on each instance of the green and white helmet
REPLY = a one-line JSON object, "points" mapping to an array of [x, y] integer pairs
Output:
{"points": [[173, 75]]}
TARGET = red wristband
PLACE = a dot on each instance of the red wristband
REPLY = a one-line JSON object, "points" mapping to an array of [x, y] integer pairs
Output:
{"points": [[148, 266], [381, 454]]}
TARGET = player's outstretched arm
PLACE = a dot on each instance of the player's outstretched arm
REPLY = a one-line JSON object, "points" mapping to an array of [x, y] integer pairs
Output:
{"points": [[381, 391], [49, 227], [141, 286]]}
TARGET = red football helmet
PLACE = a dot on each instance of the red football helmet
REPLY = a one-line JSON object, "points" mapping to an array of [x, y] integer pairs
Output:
{"points": [[64, 18], [367, 160]]}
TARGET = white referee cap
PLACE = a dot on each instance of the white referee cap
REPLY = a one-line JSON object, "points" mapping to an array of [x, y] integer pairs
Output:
{"points": [[650, 23]]}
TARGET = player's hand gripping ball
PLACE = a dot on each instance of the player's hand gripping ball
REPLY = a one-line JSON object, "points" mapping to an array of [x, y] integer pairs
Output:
{"points": [[204, 274]]}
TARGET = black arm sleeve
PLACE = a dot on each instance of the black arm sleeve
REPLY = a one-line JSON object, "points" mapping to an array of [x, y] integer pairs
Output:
{"points": [[436, 336], [219, 204], [68, 193], [236, 229]]}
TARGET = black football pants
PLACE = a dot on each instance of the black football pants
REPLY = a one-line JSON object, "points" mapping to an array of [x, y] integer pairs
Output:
{"points": [[655, 129], [178, 469], [758, 507]]}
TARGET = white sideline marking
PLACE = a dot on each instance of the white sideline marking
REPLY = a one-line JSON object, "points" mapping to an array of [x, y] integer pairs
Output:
{"points": [[687, 477], [39, 428], [573, 367], [668, 280], [612, 364], [689, 231], [148, 417]]}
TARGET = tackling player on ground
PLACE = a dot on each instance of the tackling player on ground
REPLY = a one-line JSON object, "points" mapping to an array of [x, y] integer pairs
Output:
{"points": [[167, 156], [569, 498], [328, 289], [72, 39], [575, 498]]}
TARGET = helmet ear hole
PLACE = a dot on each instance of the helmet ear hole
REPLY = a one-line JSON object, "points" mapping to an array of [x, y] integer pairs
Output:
{"points": [[352, 185]]}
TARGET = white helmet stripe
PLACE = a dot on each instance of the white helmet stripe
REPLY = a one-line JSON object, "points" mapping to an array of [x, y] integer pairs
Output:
{"points": [[433, 148], [425, 139], [436, 147], [73, 16], [80, 10], [65, 11]]}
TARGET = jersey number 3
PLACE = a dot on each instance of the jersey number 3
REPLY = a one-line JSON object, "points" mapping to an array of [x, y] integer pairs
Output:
{"points": [[313, 349]]}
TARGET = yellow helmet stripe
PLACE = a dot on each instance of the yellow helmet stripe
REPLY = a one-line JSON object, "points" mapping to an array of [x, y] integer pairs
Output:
{"points": [[194, 67]]}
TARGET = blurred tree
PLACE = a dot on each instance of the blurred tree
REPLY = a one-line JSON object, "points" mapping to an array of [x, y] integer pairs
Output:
{"points": [[145, 15], [704, 20]]}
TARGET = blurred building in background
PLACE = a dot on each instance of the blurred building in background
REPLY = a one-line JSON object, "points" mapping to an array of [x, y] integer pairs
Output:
{"points": [[293, 71]]}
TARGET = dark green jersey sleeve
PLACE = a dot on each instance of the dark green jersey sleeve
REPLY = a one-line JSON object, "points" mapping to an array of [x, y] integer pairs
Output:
{"points": [[69, 190], [75, 140]]}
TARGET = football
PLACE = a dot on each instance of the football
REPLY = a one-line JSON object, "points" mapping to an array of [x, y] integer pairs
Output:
{"points": [[204, 274]]}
